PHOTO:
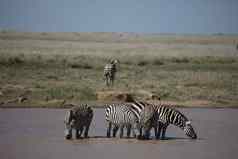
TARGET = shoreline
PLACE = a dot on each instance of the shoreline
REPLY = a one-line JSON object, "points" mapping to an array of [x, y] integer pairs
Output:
{"points": [[102, 107]]}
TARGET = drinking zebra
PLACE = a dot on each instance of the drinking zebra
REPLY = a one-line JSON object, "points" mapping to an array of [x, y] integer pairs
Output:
{"points": [[127, 115], [168, 115], [164, 115], [110, 70], [78, 118]]}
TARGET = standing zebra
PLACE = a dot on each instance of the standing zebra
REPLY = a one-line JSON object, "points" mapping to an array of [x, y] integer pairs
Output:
{"points": [[168, 115], [110, 70], [130, 115], [119, 116], [78, 118], [148, 116]]}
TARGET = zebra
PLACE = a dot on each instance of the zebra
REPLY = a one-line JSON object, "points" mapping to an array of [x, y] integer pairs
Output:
{"points": [[148, 115], [131, 115], [110, 70], [120, 116], [166, 115], [78, 118]]}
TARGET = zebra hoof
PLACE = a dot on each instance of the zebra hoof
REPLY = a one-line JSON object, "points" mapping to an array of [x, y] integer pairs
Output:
{"points": [[68, 137], [78, 137], [68, 134], [194, 137], [146, 138], [139, 137]]}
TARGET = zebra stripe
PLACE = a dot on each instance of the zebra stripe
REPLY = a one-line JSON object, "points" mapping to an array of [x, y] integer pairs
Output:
{"points": [[78, 118], [147, 117], [120, 116], [110, 71], [169, 115]]}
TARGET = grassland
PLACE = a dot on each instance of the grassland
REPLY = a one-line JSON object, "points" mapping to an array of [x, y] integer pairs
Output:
{"points": [[49, 68]]}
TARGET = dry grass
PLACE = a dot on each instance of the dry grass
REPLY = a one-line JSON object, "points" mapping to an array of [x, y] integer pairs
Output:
{"points": [[69, 66]]}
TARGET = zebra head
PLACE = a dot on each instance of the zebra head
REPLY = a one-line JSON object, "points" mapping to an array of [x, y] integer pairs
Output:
{"points": [[114, 61], [68, 124], [189, 131], [78, 114]]}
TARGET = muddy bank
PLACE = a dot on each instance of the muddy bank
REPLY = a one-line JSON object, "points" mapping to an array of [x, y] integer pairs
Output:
{"points": [[96, 104]]}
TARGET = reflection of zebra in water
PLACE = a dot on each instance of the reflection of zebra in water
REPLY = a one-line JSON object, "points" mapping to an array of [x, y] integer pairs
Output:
{"points": [[121, 115], [110, 70], [78, 118], [168, 115]]}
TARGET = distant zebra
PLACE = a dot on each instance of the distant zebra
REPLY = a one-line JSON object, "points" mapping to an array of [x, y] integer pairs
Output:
{"points": [[78, 118], [168, 115], [110, 71], [131, 115]]}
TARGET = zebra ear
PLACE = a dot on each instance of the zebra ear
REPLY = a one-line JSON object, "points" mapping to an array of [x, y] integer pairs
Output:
{"points": [[188, 122], [89, 109], [117, 61]]}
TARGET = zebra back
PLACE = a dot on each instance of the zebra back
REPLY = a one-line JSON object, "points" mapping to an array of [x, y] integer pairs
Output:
{"points": [[120, 114], [144, 110], [80, 115], [109, 69], [168, 114]]}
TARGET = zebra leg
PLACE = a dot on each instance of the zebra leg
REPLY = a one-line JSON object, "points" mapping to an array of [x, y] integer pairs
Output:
{"points": [[108, 81], [112, 80], [78, 132], [137, 131], [156, 130], [121, 131], [109, 129], [86, 131], [128, 134], [68, 134], [159, 128], [115, 129], [140, 136], [164, 131]]}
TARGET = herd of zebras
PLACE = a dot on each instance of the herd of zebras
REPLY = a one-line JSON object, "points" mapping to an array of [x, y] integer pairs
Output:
{"points": [[137, 116]]}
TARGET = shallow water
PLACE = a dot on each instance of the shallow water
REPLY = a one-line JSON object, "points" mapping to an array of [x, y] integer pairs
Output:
{"points": [[39, 133]]}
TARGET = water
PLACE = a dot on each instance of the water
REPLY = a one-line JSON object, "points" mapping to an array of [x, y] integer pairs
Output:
{"points": [[39, 134]]}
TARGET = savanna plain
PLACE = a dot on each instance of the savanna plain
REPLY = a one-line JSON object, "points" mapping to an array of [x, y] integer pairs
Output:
{"points": [[51, 68]]}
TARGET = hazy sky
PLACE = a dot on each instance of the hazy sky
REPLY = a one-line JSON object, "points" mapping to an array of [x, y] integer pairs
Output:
{"points": [[148, 16]]}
